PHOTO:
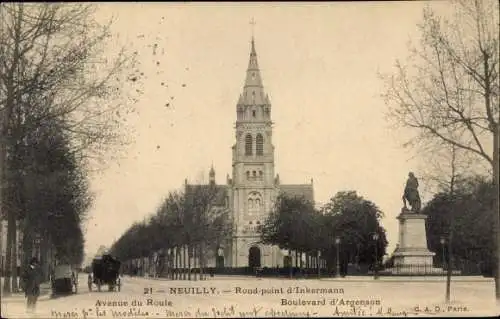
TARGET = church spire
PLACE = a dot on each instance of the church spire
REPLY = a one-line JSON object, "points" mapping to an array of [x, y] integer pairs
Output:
{"points": [[253, 89]]}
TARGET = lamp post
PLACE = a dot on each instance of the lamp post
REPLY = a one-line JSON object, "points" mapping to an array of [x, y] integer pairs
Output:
{"points": [[337, 244], [318, 263], [220, 257], [375, 238], [442, 240], [169, 262], [37, 246], [448, 272]]}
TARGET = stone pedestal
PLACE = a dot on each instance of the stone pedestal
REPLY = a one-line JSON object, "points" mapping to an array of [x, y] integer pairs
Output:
{"points": [[412, 257]]}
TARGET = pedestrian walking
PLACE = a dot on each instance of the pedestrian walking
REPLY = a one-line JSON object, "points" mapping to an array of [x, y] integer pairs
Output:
{"points": [[31, 283]]}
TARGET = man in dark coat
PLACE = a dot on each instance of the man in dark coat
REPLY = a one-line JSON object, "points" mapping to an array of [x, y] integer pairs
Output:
{"points": [[31, 283]]}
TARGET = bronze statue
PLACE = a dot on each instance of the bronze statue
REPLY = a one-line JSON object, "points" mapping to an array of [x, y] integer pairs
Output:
{"points": [[411, 194]]}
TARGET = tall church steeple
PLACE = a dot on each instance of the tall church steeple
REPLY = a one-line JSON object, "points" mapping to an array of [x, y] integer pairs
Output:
{"points": [[253, 104], [253, 153]]}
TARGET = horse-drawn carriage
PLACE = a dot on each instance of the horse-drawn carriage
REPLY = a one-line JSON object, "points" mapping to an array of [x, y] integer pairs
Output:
{"points": [[64, 280], [105, 271]]}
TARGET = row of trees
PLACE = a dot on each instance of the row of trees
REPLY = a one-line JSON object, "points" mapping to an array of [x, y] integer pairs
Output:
{"points": [[190, 221], [295, 225], [466, 214], [195, 222], [198, 222], [56, 116]]}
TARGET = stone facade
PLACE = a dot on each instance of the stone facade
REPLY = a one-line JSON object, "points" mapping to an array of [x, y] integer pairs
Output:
{"points": [[254, 186]]}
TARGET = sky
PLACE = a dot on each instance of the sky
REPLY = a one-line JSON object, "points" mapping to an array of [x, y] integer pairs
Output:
{"points": [[319, 64]]}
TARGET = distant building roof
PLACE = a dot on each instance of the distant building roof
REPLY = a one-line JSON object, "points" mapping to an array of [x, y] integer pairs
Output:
{"points": [[221, 191], [298, 190]]}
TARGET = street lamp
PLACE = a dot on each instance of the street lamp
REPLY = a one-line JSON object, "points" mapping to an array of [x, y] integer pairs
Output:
{"points": [[448, 270], [169, 262], [318, 263], [375, 238], [220, 257], [442, 240], [337, 244]]}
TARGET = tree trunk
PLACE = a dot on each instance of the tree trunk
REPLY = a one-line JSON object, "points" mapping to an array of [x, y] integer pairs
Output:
{"points": [[44, 257], [190, 254], [3, 211], [178, 262], [202, 261], [27, 243], [496, 210], [9, 105], [175, 263], [15, 286], [7, 286], [196, 261], [184, 251]]}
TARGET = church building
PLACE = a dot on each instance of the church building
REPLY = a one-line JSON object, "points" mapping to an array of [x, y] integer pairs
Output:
{"points": [[250, 193]]}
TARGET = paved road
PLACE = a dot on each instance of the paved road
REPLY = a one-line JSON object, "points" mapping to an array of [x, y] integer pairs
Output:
{"points": [[252, 297]]}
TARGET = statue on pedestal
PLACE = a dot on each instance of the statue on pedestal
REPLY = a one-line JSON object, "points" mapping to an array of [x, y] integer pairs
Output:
{"points": [[411, 194]]}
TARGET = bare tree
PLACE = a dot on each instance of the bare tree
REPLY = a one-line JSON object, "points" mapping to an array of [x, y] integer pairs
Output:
{"points": [[449, 91], [52, 67], [446, 167]]}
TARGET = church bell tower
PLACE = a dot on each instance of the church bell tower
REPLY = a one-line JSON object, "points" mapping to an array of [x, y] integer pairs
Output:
{"points": [[253, 161]]}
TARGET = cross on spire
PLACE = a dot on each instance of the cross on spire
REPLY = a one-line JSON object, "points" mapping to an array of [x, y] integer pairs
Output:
{"points": [[252, 22]]}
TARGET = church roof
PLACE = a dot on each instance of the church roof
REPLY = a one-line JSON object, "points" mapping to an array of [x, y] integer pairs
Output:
{"points": [[298, 190], [221, 191]]}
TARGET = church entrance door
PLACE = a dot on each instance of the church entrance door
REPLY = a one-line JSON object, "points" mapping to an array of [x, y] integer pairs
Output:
{"points": [[219, 262], [254, 257]]}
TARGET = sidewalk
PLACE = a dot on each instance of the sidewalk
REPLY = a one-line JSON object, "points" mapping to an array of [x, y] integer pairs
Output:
{"points": [[45, 292]]}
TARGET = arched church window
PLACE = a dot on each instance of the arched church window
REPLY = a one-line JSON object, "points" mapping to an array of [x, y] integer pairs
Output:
{"points": [[260, 173], [253, 113], [254, 204], [254, 174], [248, 174], [259, 144], [248, 144]]}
